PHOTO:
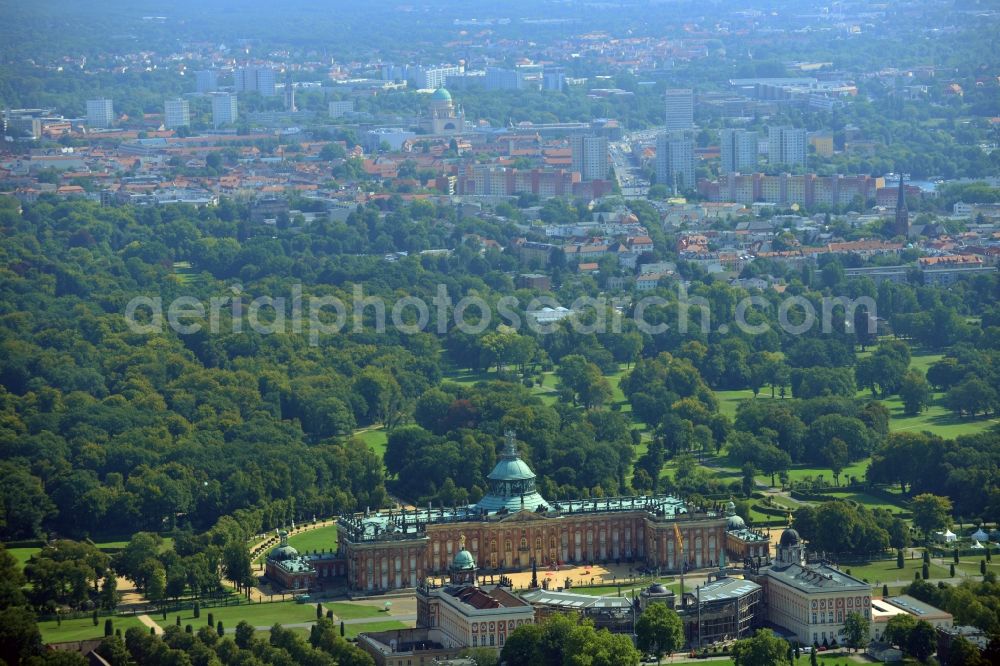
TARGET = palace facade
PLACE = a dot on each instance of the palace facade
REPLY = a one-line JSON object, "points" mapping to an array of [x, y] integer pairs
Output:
{"points": [[513, 526]]}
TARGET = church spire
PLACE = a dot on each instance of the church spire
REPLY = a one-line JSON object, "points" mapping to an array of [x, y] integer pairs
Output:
{"points": [[902, 226]]}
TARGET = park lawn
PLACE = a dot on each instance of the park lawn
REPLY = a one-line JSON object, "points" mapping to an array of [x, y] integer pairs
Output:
{"points": [[885, 571], [799, 472], [375, 438], [83, 628], [352, 630], [970, 566], [348, 611], [935, 419], [867, 500], [257, 615], [319, 539], [22, 555], [921, 361]]}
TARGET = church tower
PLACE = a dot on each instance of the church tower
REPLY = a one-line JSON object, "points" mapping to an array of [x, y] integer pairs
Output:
{"points": [[902, 225]]}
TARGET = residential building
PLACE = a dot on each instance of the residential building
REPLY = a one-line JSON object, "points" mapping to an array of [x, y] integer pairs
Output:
{"points": [[223, 109], [206, 81], [675, 160], [679, 109], [738, 149], [431, 77], [176, 113], [100, 113], [786, 145], [255, 79], [340, 108], [554, 79], [503, 79], [590, 157]]}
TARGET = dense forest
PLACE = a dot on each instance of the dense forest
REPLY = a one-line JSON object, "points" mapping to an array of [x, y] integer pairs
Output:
{"points": [[106, 429]]}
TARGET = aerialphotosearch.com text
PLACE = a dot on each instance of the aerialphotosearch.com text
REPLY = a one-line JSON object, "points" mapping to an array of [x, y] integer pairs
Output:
{"points": [[319, 316]]}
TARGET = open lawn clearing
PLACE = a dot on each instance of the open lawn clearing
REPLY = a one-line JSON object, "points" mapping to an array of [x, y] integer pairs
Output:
{"points": [[869, 501], [884, 571], [316, 539], [258, 615], [22, 555], [375, 438], [83, 628]]}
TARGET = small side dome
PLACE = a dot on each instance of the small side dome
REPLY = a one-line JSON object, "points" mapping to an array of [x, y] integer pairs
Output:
{"points": [[282, 553], [463, 560], [730, 508], [657, 588], [734, 522], [790, 538]]}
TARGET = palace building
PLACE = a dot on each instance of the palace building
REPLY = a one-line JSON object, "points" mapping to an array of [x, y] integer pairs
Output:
{"points": [[809, 599], [513, 526]]}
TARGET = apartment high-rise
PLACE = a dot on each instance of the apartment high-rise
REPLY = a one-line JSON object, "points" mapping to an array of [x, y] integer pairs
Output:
{"points": [[432, 77], [176, 113], [100, 113], [680, 109], [206, 80], [255, 79], [590, 157], [675, 160], [738, 149], [223, 109], [786, 145]]}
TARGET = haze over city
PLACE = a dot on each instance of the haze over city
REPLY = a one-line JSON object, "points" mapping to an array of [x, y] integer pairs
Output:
{"points": [[523, 333]]}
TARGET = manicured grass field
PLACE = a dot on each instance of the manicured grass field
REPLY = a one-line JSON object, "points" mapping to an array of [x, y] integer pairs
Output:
{"points": [[885, 571], [349, 611], [258, 615], [314, 540], [375, 438], [22, 555], [82, 628], [867, 500]]}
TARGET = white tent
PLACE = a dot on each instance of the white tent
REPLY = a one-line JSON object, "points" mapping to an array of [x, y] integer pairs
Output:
{"points": [[946, 537], [977, 546]]}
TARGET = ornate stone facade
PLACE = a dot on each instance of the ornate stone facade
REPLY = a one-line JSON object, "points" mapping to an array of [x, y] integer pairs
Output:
{"points": [[513, 526]]}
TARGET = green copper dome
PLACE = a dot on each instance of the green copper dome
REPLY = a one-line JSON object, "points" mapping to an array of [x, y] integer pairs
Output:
{"points": [[463, 560], [282, 553], [511, 484], [441, 95]]}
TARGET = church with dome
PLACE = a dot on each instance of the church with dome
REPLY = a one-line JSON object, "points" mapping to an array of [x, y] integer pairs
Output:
{"points": [[513, 527], [443, 118]]}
